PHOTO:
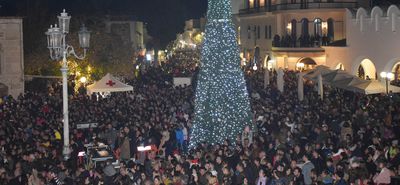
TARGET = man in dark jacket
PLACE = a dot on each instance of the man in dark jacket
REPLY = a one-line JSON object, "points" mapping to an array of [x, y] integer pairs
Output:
{"points": [[298, 177], [239, 176]]}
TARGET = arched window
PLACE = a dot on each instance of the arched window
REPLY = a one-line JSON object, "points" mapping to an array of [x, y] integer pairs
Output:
{"points": [[331, 29], [367, 70], [262, 3], [396, 72], [251, 3], [294, 29], [317, 27], [304, 27]]}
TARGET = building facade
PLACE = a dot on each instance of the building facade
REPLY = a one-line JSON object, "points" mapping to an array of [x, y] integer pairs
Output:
{"points": [[127, 27], [192, 34], [11, 57], [289, 32], [372, 43], [299, 34]]}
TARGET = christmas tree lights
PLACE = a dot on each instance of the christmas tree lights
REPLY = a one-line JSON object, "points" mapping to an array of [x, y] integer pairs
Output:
{"points": [[222, 107]]}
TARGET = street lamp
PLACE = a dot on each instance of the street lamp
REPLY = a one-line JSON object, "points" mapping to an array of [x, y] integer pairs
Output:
{"points": [[255, 67], [59, 49], [387, 76], [300, 66], [83, 80]]}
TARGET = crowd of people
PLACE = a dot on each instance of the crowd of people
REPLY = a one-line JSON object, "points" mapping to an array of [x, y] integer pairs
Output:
{"points": [[345, 138], [182, 63]]}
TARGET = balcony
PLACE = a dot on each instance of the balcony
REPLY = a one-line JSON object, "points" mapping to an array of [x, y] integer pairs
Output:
{"points": [[299, 6], [304, 44]]}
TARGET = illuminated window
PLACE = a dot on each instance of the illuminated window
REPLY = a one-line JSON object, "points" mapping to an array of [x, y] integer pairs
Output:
{"points": [[318, 27], [239, 36], [251, 3], [262, 3]]}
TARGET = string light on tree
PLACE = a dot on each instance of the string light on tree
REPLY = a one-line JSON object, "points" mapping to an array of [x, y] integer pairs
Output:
{"points": [[222, 106]]}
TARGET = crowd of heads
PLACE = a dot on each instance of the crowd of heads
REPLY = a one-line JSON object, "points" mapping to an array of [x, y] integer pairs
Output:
{"points": [[182, 63], [344, 138]]}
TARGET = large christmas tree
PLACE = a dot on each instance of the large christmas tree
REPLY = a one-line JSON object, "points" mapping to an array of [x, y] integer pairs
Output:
{"points": [[222, 107]]}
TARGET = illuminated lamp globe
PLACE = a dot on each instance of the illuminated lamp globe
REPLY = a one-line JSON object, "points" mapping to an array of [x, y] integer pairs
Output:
{"points": [[83, 79], [255, 68]]}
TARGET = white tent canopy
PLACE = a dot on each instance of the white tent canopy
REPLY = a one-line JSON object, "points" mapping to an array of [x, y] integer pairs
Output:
{"points": [[343, 80], [375, 87], [109, 84], [348, 83], [313, 74]]}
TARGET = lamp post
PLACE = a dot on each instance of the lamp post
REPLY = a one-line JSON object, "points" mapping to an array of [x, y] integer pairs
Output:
{"points": [[300, 66], [59, 49], [387, 76]]}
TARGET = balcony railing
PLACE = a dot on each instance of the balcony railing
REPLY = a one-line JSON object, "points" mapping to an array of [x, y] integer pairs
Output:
{"points": [[298, 6], [306, 41]]}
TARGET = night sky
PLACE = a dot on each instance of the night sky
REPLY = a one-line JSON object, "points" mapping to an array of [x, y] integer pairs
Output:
{"points": [[165, 18]]}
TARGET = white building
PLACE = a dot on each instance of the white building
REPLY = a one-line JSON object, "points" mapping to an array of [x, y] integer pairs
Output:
{"points": [[192, 34], [362, 41], [11, 57], [288, 32], [373, 42]]}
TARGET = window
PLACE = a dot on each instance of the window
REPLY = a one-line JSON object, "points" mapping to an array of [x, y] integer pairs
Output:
{"points": [[304, 27], [262, 3], [255, 32], [251, 3], [293, 1], [239, 35], [258, 32], [270, 32], [331, 29], [266, 32], [317, 27], [249, 32], [294, 28]]}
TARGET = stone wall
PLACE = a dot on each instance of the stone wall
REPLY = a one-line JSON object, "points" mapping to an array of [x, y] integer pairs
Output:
{"points": [[11, 55]]}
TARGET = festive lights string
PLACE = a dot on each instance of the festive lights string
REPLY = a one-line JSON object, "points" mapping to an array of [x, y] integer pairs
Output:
{"points": [[222, 107]]}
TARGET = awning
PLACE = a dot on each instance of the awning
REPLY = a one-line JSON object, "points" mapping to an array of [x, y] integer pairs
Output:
{"points": [[109, 84]]}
